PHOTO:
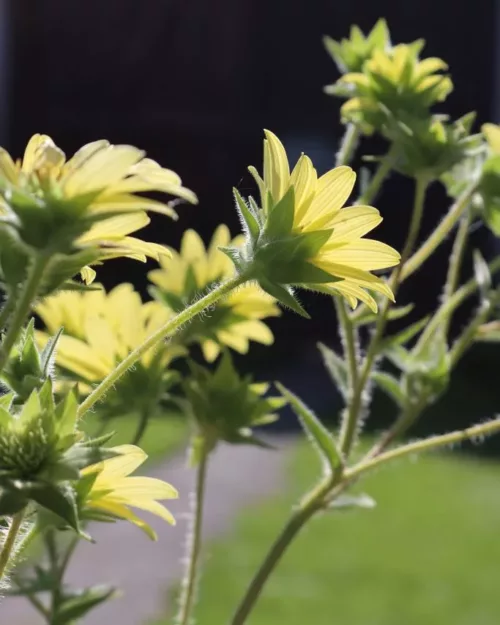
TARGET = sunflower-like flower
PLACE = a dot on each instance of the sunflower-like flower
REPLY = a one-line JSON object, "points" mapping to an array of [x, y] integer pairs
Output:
{"points": [[108, 491], [301, 236], [195, 269], [87, 203], [392, 82], [100, 330], [350, 54]]}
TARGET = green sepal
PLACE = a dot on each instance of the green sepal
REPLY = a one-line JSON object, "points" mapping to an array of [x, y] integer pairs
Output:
{"points": [[391, 386], [58, 499], [74, 608], [336, 367], [12, 501], [280, 219], [406, 335], [249, 220], [284, 295]]}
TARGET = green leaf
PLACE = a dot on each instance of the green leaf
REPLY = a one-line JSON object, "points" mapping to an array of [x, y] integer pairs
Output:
{"points": [[12, 501], [394, 313], [284, 295], [234, 254], [315, 430], [248, 218], [31, 408], [406, 335], [74, 608], [67, 413], [6, 400], [336, 367], [390, 385], [280, 219]]}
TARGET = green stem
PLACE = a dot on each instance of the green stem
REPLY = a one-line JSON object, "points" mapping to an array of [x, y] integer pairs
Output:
{"points": [[141, 426], [428, 444], [383, 170], [23, 306], [347, 334], [190, 581], [439, 234], [348, 145], [296, 522], [350, 424], [162, 333], [10, 541], [457, 254], [443, 312], [467, 337]]}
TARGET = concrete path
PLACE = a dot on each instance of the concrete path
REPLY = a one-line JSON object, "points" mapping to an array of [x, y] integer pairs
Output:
{"points": [[144, 570]]}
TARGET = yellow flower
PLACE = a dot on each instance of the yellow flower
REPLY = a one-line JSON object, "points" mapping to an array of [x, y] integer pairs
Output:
{"points": [[114, 491], [331, 254], [90, 200], [395, 81], [193, 270], [100, 329]]}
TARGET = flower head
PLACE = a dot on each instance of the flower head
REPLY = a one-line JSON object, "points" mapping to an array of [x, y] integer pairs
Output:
{"points": [[90, 202], [302, 236], [193, 270], [225, 405], [351, 54], [111, 491], [100, 329], [392, 82]]}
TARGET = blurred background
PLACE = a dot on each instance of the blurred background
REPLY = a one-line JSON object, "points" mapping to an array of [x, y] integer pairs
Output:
{"points": [[194, 83]]}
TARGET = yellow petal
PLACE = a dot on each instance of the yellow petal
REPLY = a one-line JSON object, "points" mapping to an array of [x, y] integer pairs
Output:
{"points": [[83, 155], [218, 263], [352, 293], [8, 168], [128, 202], [154, 508], [233, 339], [353, 223], [362, 278], [143, 487], [363, 254], [303, 180], [254, 330], [278, 170], [116, 226], [356, 78], [194, 253], [429, 66], [104, 168], [210, 350], [88, 274], [131, 457], [492, 135], [333, 190], [31, 151], [76, 356], [122, 512]]}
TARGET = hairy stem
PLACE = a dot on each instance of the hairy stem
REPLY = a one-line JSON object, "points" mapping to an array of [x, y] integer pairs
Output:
{"points": [[10, 542], [348, 146], [379, 177], [23, 306], [347, 333], [188, 596], [350, 425], [296, 522], [456, 257], [439, 234], [427, 444], [162, 333]]}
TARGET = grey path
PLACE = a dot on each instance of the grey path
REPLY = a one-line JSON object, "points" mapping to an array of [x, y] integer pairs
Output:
{"points": [[143, 569]]}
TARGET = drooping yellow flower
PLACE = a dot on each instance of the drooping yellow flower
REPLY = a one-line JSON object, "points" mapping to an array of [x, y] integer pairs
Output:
{"points": [[395, 81], [100, 329], [340, 252], [115, 491], [90, 200], [193, 270]]}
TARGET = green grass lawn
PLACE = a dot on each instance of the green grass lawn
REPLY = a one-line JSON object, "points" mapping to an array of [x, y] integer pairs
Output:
{"points": [[165, 433], [429, 553]]}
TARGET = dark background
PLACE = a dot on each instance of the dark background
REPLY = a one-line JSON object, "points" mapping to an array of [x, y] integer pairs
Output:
{"points": [[194, 82]]}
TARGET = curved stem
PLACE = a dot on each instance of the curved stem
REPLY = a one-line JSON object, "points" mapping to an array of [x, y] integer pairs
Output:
{"points": [[383, 170], [6, 311], [188, 596], [467, 337], [428, 444], [347, 334], [348, 146], [23, 306], [457, 254], [439, 234], [351, 422], [141, 426], [299, 518], [165, 331], [10, 541]]}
